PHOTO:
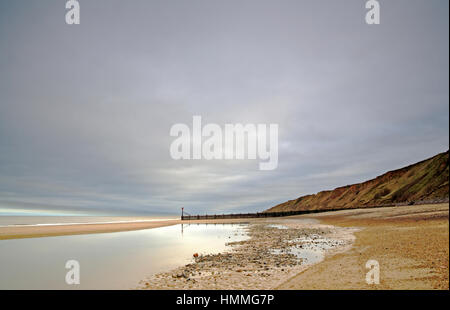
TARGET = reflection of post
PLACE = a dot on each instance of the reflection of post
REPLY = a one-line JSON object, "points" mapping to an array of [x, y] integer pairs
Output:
{"points": [[181, 229]]}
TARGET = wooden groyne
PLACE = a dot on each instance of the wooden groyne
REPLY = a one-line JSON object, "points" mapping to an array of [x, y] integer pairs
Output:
{"points": [[290, 213], [254, 215], [240, 215]]}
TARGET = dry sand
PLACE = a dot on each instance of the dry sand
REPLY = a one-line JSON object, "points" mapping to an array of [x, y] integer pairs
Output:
{"points": [[411, 244], [17, 232]]}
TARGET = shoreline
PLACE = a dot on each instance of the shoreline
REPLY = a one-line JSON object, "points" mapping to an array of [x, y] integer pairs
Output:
{"points": [[64, 229], [274, 250], [410, 243], [39, 231], [21, 232]]}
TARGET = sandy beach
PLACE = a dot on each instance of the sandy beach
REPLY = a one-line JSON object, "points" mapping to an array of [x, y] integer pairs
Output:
{"points": [[410, 243], [276, 250], [61, 230], [18, 232]]}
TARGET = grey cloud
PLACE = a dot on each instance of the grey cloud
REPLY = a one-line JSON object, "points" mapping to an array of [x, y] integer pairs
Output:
{"points": [[85, 111]]}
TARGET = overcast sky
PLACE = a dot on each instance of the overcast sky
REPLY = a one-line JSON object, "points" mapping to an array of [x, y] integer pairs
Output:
{"points": [[85, 110]]}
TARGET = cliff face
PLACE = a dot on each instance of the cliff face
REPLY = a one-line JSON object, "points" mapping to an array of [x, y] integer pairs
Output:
{"points": [[425, 180]]}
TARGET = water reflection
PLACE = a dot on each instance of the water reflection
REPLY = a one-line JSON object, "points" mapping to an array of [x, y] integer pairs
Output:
{"points": [[109, 261]]}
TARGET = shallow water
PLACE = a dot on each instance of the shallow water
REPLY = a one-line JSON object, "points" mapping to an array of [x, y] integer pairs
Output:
{"points": [[277, 226], [111, 260], [312, 248]]}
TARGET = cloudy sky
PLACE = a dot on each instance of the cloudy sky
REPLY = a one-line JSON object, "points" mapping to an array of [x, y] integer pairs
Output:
{"points": [[86, 110]]}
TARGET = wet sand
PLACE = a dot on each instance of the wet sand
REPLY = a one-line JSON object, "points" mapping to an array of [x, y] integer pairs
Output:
{"points": [[61, 230], [275, 250], [17, 232], [411, 244]]}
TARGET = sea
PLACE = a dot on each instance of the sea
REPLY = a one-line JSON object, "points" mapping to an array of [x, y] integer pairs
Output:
{"points": [[116, 260]]}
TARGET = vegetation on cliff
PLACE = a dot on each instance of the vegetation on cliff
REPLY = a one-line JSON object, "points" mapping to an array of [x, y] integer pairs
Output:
{"points": [[427, 180]]}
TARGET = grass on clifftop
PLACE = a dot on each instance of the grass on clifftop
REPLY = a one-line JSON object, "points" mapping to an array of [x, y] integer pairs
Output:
{"points": [[425, 180]]}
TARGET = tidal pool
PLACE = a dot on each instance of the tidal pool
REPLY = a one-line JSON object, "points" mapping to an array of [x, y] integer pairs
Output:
{"points": [[310, 249], [116, 260]]}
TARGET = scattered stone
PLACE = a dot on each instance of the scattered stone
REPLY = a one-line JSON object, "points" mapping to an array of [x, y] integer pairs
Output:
{"points": [[263, 261]]}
